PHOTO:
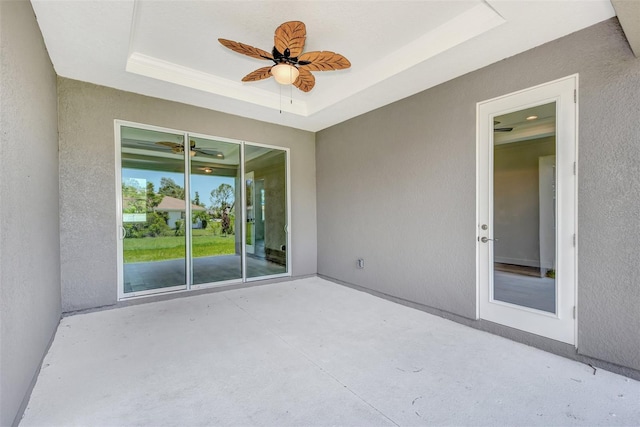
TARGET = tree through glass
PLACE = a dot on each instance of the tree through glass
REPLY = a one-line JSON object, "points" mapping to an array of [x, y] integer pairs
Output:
{"points": [[153, 209], [217, 218], [156, 226]]}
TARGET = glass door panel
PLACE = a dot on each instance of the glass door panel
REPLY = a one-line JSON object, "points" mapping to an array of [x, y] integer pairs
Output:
{"points": [[251, 217], [266, 211], [524, 197], [216, 219], [182, 216], [153, 210]]}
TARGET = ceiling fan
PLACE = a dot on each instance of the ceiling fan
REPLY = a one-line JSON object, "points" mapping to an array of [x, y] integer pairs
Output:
{"points": [[291, 66], [495, 129], [178, 148]]}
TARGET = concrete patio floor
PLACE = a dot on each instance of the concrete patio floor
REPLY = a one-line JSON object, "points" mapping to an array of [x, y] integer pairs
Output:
{"points": [[308, 352]]}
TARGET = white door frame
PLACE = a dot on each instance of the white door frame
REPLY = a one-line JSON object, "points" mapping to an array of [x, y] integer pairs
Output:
{"points": [[287, 227], [188, 286], [562, 325]]}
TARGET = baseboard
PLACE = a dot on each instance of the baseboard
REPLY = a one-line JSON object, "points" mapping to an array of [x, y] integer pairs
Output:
{"points": [[546, 344], [32, 384], [186, 294], [517, 261]]}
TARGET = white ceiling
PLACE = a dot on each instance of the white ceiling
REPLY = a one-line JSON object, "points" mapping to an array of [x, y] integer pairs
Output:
{"points": [[530, 123], [169, 49]]}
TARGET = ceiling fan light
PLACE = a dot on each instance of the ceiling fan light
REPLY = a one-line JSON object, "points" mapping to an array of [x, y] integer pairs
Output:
{"points": [[192, 153], [285, 74]]}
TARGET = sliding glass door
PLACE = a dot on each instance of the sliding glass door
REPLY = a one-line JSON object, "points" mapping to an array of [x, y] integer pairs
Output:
{"points": [[266, 211], [217, 222], [153, 210], [224, 220]]}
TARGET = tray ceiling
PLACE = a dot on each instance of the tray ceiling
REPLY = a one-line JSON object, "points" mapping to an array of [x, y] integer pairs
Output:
{"points": [[169, 49]]}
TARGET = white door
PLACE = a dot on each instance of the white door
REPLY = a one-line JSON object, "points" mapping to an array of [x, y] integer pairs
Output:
{"points": [[526, 216]]}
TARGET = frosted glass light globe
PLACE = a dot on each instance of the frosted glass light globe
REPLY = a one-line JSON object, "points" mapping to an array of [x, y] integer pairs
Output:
{"points": [[285, 74]]}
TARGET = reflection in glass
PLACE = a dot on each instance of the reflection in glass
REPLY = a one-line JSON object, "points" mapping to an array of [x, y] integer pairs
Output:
{"points": [[266, 226], [153, 209], [524, 220], [216, 221], [156, 227], [251, 218]]}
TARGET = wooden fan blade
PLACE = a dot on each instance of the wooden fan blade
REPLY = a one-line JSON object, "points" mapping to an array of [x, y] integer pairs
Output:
{"points": [[259, 74], [290, 35], [323, 61], [211, 153], [168, 144], [305, 81], [245, 49]]}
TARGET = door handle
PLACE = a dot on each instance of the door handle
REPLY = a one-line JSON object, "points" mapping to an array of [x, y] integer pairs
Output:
{"points": [[123, 232], [484, 239]]}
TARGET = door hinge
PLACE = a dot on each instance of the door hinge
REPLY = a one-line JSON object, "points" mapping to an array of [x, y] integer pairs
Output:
{"points": [[575, 96], [575, 167], [574, 240], [574, 311]]}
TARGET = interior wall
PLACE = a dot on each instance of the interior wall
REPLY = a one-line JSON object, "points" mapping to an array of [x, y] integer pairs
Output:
{"points": [[87, 180], [272, 171], [516, 213], [29, 242], [396, 186]]}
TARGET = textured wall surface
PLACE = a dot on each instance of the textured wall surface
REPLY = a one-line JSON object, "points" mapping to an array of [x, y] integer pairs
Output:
{"points": [[87, 180], [396, 186], [29, 242]]}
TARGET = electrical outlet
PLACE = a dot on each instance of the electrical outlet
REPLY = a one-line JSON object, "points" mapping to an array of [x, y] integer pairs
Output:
{"points": [[360, 263]]}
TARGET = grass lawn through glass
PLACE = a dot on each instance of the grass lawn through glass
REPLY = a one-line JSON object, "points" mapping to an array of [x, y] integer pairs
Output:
{"points": [[204, 243]]}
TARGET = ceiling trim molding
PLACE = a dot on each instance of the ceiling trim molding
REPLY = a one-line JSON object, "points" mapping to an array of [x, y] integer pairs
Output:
{"points": [[155, 68], [167, 49], [465, 26], [546, 127], [628, 12]]}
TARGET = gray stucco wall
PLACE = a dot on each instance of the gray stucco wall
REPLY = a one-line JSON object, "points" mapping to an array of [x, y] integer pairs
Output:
{"points": [[87, 180], [29, 242], [397, 187]]}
